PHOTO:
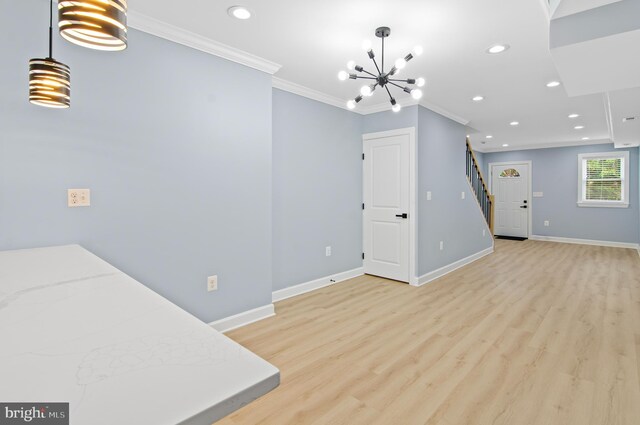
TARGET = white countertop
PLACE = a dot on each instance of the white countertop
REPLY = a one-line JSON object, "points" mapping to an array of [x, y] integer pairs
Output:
{"points": [[75, 329]]}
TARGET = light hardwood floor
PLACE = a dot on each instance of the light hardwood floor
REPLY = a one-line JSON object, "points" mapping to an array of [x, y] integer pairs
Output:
{"points": [[537, 333]]}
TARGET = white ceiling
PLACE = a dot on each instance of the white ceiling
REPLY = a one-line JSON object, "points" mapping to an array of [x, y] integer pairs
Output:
{"points": [[314, 40]]}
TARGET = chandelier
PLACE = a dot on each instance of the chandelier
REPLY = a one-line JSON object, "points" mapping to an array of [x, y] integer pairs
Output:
{"points": [[383, 79]]}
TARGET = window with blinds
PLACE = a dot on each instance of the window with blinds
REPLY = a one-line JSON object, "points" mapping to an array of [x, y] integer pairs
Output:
{"points": [[604, 179]]}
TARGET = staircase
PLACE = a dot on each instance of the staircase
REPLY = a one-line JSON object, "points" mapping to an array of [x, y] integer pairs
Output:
{"points": [[485, 199]]}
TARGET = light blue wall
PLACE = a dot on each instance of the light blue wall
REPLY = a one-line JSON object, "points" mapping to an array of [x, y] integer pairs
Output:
{"points": [[175, 146], [180, 168], [555, 173], [447, 217], [481, 161], [441, 169], [317, 189]]}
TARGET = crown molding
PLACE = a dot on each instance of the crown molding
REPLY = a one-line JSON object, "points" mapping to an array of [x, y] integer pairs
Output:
{"points": [[540, 146], [309, 93], [291, 87], [385, 106], [179, 35], [444, 112]]}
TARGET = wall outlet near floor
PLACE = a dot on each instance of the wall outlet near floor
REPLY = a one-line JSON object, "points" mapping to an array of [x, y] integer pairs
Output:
{"points": [[441, 245], [462, 195], [546, 223], [212, 283], [327, 251], [78, 198]]}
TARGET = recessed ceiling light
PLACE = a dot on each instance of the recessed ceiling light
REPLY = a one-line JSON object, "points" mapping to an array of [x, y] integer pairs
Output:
{"points": [[505, 145], [552, 84], [489, 137], [478, 99], [579, 127], [239, 12], [585, 138], [572, 116], [497, 48], [514, 123]]}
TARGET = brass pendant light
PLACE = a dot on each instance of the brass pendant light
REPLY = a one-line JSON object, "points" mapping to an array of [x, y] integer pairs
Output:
{"points": [[96, 24], [49, 80]]}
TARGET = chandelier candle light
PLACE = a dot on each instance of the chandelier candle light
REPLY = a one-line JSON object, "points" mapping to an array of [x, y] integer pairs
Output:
{"points": [[49, 80], [383, 79]]}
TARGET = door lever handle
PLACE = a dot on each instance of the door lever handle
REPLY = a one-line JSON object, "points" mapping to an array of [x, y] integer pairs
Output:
{"points": [[405, 215], [523, 206]]}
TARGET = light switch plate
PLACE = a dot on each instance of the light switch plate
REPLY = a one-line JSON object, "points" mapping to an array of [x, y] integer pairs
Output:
{"points": [[78, 198], [538, 194], [428, 196], [327, 251], [462, 195]]}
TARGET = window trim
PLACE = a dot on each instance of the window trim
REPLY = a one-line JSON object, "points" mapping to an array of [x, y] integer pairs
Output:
{"points": [[624, 203]]}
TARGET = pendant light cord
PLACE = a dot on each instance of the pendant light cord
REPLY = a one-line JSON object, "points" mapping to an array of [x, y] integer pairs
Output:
{"points": [[51, 29]]}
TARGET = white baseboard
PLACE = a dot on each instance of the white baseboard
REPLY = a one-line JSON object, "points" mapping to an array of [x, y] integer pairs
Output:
{"points": [[234, 322], [431, 276], [585, 242], [303, 288]]}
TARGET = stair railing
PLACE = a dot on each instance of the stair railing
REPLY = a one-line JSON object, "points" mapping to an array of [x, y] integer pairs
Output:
{"points": [[485, 199]]}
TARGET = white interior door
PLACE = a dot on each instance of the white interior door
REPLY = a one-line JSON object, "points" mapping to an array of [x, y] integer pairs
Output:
{"points": [[386, 212], [510, 186]]}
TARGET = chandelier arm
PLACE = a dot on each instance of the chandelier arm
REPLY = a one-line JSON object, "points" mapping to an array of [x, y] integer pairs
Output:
{"points": [[358, 77], [367, 72], [387, 89], [376, 64], [400, 87], [401, 81]]}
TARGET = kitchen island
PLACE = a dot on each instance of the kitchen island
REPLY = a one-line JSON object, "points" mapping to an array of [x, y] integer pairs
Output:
{"points": [[75, 329]]}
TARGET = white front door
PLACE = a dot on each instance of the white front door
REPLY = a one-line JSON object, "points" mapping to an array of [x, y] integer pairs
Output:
{"points": [[386, 209], [510, 186]]}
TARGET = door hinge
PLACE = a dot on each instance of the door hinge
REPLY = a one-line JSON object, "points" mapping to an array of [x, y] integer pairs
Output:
{"points": [[362, 206], [363, 255], [363, 157]]}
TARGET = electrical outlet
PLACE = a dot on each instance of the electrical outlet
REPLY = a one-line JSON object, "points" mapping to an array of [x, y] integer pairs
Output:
{"points": [[428, 196], [462, 196], [546, 223], [327, 251], [212, 283], [78, 198], [441, 245]]}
